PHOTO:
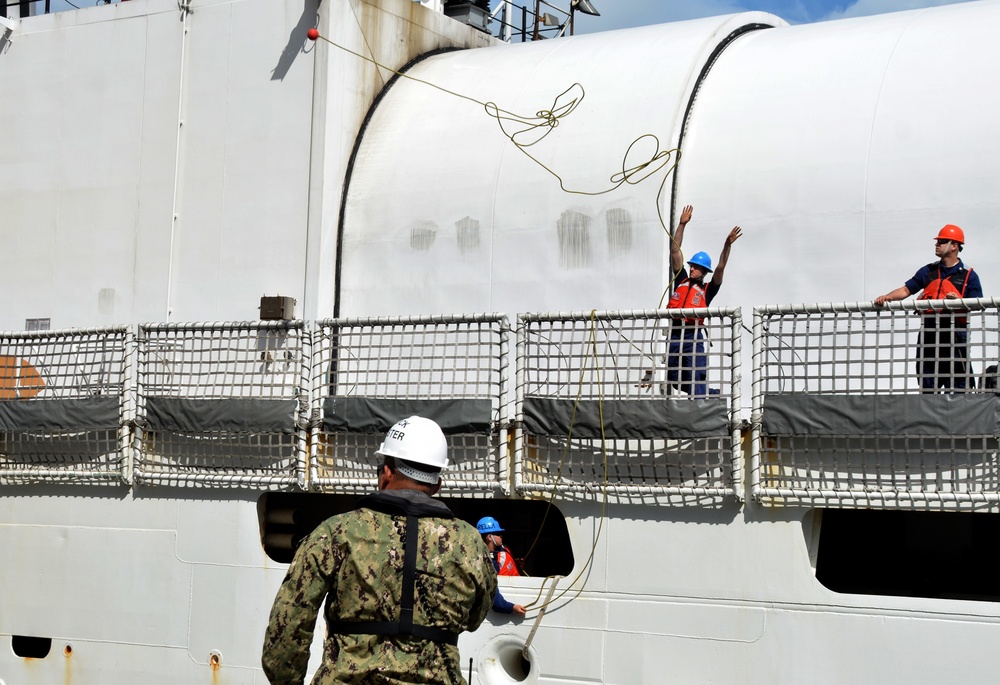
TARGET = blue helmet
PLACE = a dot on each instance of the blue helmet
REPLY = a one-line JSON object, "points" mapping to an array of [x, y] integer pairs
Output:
{"points": [[701, 259], [488, 525]]}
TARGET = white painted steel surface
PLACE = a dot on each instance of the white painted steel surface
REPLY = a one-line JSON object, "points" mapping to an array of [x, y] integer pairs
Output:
{"points": [[159, 165], [156, 113]]}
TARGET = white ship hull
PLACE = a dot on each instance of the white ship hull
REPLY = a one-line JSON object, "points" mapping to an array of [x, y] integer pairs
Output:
{"points": [[173, 162]]}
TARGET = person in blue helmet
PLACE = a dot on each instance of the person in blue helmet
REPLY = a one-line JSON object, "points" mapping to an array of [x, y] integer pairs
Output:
{"points": [[503, 562], [687, 363]]}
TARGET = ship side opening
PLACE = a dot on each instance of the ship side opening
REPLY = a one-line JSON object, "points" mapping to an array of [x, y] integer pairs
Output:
{"points": [[934, 554], [29, 647], [534, 531]]}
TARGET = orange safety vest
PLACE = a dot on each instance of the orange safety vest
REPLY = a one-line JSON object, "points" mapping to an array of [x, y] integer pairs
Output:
{"points": [[506, 562], [689, 294], [940, 288]]}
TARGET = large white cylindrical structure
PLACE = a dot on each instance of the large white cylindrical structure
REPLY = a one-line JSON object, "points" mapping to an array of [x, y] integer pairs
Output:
{"points": [[445, 213], [840, 147]]}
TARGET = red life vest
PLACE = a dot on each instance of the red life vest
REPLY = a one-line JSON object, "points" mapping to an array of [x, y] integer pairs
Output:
{"points": [[689, 294], [506, 562], [940, 288]]}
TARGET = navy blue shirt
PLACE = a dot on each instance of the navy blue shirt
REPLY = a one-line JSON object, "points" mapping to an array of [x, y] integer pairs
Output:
{"points": [[500, 604], [928, 273]]}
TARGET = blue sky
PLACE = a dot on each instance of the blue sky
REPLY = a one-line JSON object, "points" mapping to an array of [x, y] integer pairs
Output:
{"points": [[617, 14]]}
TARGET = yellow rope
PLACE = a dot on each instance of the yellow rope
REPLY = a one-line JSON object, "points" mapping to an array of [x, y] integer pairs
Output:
{"points": [[525, 132], [604, 485]]}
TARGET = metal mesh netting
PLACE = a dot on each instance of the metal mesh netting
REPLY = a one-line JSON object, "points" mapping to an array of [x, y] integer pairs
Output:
{"points": [[62, 406], [220, 403], [858, 402], [850, 402], [369, 373], [898, 467], [628, 401], [871, 351]]}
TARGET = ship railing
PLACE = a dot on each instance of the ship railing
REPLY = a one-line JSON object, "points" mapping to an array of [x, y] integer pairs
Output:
{"points": [[367, 373], [26, 8], [628, 402], [221, 404], [65, 406], [17, 9], [859, 405]]}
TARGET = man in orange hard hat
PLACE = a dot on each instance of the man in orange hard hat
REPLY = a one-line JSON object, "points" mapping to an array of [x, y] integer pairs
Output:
{"points": [[944, 337]]}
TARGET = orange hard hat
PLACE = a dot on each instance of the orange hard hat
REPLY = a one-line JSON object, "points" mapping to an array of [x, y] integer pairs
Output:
{"points": [[951, 232]]}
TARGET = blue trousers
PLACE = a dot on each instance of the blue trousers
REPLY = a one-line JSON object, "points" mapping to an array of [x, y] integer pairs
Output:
{"points": [[687, 363]]}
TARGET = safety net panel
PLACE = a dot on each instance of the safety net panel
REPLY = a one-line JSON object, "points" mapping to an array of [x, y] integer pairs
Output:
{"points": [[858, 404], [370, 373], [628, 401], [63, 409], [222, 404]]}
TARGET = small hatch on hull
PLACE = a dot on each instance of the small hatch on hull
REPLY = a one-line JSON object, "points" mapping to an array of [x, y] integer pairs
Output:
{"points": [[28, 647], [535, 532]]}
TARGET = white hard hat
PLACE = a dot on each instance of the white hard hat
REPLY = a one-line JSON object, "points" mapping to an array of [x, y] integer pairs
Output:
{"points": [[420, 441]]}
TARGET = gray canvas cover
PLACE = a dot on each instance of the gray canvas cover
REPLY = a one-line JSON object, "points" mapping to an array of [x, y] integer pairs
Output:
{"points": [[71, 414], [373, 415], [932, 414], [654, 418], [231, 415]]}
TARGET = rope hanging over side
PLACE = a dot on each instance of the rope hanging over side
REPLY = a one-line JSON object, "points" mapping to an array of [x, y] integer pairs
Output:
{"points": [[524, 132]]}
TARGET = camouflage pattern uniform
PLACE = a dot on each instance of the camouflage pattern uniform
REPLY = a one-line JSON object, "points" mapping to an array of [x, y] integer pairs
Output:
{"points": [[355, 560]]}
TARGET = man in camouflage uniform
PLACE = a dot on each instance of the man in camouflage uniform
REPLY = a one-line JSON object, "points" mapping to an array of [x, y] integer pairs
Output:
{"points": [[363, 566]]}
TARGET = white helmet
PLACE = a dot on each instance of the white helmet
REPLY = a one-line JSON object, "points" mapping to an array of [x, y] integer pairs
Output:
{"points": [[420, 441]]}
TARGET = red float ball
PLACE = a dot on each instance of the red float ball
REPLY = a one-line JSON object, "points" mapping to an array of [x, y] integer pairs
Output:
{"points": [[312, 34]]}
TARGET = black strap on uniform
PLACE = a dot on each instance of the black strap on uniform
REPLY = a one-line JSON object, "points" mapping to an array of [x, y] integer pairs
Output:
{"points": [[409, 576], [405, 624]]}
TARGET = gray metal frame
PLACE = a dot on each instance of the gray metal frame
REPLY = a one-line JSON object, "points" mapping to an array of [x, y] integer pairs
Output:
{"points": [[368, 373], [649, 441], [69, 424], [222, 404], [840, 414]]}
